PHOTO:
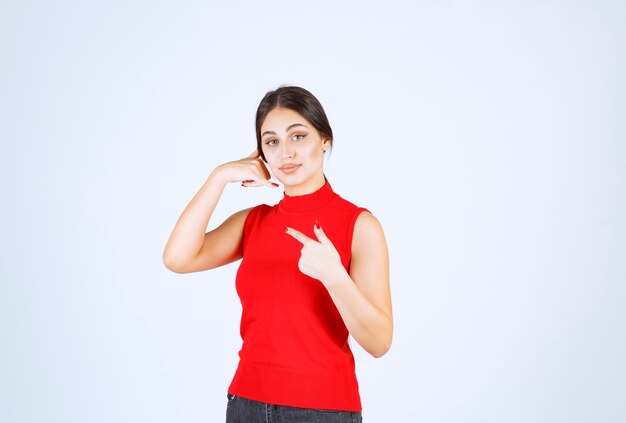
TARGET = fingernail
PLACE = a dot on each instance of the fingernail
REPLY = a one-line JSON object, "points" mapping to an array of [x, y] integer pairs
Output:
{"points": [[285, 228], [317, 225], [274, 184]]}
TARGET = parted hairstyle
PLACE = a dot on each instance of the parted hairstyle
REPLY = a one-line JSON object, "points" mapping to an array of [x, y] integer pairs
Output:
{"points": [[300, 101]]}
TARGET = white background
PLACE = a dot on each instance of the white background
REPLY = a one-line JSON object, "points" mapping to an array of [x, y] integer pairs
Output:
{"points": [[487, 137]]}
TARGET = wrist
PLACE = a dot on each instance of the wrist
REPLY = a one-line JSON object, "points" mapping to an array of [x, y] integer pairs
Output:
{"points": [[337, 279], [218, 175]]}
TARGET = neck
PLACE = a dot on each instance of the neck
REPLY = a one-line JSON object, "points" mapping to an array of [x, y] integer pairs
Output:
{"points": [[306, 187]]}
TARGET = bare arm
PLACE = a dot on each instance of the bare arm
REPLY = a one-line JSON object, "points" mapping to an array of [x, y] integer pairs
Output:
{"points": [[189, 248], [363, 297]]}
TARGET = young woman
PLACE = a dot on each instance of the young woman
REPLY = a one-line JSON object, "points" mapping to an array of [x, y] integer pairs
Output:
{"points": [[315, 269]]}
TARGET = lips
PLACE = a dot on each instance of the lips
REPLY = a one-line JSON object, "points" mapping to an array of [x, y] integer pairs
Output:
{"points": [[289, 168]]}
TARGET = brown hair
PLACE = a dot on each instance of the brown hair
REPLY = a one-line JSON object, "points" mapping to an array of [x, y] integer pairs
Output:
{"points": [[300, 101]]}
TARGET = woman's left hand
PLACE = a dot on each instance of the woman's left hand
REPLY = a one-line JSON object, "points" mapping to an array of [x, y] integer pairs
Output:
{"points": [[319, 259]]}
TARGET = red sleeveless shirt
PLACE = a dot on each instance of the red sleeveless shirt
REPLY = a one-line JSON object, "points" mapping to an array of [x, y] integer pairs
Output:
{"points": [[295, 348]]}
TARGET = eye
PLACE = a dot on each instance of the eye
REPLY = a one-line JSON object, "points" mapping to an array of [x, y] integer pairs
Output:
{"points": [[270, 142], [298, 137]]}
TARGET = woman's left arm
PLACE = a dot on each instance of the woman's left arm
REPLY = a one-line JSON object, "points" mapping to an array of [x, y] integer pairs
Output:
{"points": [[363, 296]]}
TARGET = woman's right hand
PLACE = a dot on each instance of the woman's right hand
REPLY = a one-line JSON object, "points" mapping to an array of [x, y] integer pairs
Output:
{"points": [[250, 171]]}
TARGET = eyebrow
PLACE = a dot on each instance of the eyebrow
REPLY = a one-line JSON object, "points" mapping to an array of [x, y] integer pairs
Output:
{"points": [[286, 130]]}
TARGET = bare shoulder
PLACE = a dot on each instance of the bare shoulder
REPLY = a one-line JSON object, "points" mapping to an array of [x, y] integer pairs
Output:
{"points": [[367, 228], [239, 217], [231, 229], [221, 245], [369, 247]]}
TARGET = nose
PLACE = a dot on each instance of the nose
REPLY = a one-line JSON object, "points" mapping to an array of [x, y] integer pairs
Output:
{"points": [[287, 150]]}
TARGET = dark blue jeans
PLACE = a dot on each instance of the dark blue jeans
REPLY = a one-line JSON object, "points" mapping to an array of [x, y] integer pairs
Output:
{"points": [[243, 410]]}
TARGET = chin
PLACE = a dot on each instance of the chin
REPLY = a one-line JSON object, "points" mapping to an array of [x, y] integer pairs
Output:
{"points": [[292, 182]]}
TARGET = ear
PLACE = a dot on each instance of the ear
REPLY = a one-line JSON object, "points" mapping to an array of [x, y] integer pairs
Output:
{"points": [[326, 144]]}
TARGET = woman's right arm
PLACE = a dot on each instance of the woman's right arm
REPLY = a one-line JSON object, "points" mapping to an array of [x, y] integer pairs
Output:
{"points": [[189, 248]]}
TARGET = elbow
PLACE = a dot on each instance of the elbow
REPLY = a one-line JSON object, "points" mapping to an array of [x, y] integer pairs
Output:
{"points": [[383, 345], [380, 350], [172, 264]]}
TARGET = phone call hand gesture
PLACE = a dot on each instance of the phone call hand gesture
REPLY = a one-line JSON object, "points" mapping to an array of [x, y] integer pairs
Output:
{"points": [[250, 171]]}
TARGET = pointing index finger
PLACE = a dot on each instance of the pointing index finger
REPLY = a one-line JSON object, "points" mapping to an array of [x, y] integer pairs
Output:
{"points": [[302, 238]]}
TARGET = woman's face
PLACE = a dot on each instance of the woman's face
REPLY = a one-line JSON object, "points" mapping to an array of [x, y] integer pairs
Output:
{"points": [[294, 150]]}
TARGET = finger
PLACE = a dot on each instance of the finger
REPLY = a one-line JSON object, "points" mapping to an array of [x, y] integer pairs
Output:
{"points": [[298, 235], [264, 168], [259, 183], [320, 234], [254, 154]]}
